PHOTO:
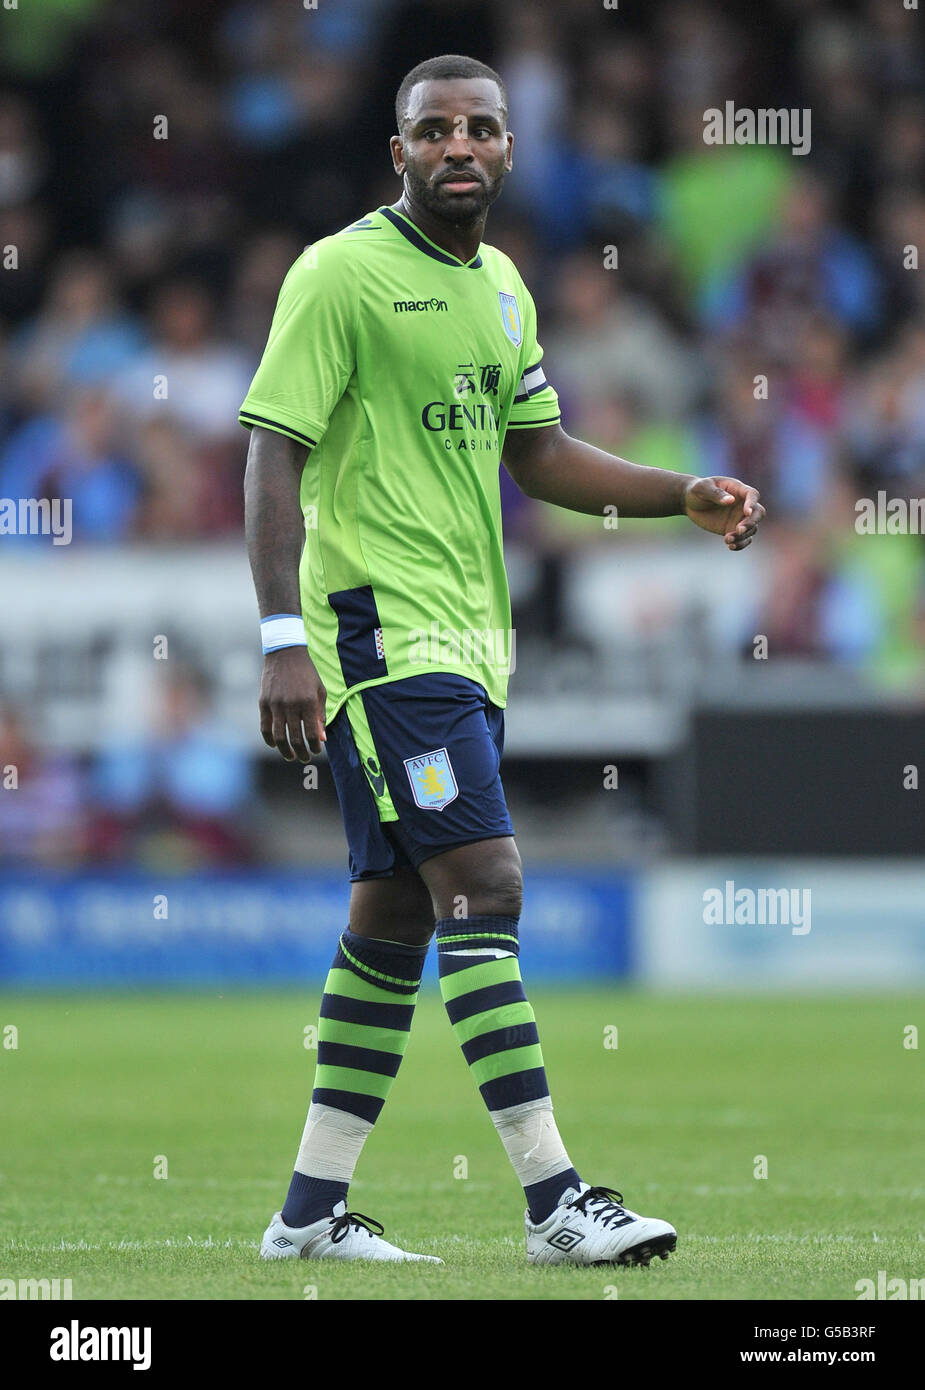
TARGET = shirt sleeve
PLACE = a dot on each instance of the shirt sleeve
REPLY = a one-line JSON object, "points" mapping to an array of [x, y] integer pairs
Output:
{"points": [[535, 401], [311, 351]]}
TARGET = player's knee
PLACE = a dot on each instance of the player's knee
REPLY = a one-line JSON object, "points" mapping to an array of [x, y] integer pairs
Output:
{"points": [[395, 909], [501, 899], [480, 879], [499, 889]]}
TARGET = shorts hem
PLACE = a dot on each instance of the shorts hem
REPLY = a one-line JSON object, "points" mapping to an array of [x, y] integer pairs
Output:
{"points": [[457, 844], [368, 876]]}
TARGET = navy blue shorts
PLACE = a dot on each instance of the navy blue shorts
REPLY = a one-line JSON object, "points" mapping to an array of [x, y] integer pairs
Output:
{"points": [[415, 765]]}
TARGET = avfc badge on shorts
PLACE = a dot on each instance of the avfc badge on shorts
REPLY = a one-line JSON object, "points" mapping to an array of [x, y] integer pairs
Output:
{"points": [[433, 785], [510, 317]]}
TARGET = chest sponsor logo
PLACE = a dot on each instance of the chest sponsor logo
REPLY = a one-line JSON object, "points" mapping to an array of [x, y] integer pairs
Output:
{"points": [[470, 379], [510, 318], [471, 421], [433, 783]]}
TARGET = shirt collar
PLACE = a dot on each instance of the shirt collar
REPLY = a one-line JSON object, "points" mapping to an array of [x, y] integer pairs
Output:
{"points": [[422, 243]]}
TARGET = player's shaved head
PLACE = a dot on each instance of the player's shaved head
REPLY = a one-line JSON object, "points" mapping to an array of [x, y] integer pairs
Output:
{"points": [[447, 67]]}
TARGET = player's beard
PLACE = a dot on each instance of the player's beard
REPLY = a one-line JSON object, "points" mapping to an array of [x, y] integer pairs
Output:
{"points": [[458, 210]]}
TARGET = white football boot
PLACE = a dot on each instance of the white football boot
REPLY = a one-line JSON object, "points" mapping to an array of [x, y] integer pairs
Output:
{"points": [[592, 1227], [344, 1235]]}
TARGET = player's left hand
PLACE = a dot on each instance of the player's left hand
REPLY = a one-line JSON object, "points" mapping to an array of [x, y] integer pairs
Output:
{"points": [[726, 507]]}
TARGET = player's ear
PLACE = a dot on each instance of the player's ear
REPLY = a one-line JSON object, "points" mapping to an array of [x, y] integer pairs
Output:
{"points": [[509, 161], [398, 154]]}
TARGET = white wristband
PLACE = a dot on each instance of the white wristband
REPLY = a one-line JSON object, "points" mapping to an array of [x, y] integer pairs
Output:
{"points": [[282, 630]]}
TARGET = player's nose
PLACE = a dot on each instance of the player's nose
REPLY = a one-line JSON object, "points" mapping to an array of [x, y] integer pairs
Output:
{"points": [[458, 149]]}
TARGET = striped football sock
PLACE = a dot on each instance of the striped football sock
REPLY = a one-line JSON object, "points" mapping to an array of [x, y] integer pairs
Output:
{"points": [[366, 1013], [494, 1023]]}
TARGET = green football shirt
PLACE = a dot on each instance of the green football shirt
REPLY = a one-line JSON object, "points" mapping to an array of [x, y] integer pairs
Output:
{"points": [[402, 368]]}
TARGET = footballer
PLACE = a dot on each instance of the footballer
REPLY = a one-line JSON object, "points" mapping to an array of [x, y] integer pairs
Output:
{"points": [[402, 367]]}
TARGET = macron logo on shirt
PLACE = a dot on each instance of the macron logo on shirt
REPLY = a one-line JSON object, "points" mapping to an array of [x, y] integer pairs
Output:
{"points": [[419, 306]]}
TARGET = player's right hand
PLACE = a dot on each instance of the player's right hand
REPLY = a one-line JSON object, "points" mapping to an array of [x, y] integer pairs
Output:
{"points": [[292, 701]]}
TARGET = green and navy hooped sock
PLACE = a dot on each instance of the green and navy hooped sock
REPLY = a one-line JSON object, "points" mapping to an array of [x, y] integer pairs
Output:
{"points": [[495, 1025], [366, 1013]]}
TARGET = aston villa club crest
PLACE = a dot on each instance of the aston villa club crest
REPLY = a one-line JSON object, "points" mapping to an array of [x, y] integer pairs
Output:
{"points": [[433, 784], [510, 317]]}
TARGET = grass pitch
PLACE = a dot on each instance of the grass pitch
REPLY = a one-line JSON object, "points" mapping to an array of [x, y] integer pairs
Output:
{"points": [[103, 1091]]}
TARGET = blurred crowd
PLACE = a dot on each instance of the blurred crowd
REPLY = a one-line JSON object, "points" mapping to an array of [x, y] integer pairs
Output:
{"points": [[179, 797], [711, 309]]}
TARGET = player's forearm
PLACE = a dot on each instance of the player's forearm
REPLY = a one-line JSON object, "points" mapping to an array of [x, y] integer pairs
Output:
{"points": [[576, 475], [273, 522]]}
